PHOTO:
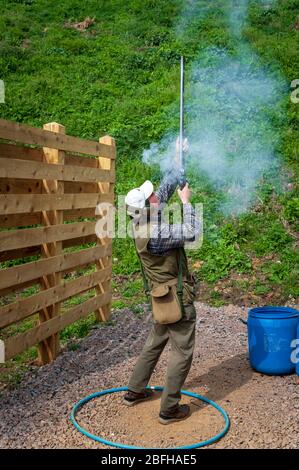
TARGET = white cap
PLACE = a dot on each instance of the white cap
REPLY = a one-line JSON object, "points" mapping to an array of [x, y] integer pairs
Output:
{"points": [[135, 199]]}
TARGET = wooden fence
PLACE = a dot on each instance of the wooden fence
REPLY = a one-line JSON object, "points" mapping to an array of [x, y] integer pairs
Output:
{"points": [[48, 195]]}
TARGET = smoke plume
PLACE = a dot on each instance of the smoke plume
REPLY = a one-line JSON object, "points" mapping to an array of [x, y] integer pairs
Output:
{"points": [[231, 99]]}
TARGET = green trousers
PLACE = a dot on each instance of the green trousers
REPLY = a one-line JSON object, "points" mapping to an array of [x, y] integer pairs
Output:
{"points": [[182, 339]]}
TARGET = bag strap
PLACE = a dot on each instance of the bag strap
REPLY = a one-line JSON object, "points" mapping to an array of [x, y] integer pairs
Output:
{"points": [[145, 281], [180, 272], [180, 280]]}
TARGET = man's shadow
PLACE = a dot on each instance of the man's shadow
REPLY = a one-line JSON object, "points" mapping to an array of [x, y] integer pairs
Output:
{"points": [[221, 380]]}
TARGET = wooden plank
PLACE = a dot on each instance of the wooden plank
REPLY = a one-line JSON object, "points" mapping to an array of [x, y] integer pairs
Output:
{"points": [[25, 307], [19, 288], [20, 152], [36, 269], [73, 214], [16, 344], [35, 250], [34, 218], [21, 220], [17, 204], [83, 267], [77, 160], [14, 239], [21, 186], [79, 241], [14, 168], [36, 155], [18, 254], [75, 187], [31, 135]]}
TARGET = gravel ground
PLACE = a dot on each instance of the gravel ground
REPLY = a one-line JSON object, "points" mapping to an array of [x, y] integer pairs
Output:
{"points": [[264, 410]]}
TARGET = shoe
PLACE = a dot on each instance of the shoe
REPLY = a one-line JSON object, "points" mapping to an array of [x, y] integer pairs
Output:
{"points": [[178, 414], [132, 398]]}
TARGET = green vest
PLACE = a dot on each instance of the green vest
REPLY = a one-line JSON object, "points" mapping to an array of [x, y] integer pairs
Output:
{"points": [[159, 269]]}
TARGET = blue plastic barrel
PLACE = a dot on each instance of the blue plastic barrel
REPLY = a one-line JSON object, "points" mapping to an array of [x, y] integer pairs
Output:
{"points": [[297, 351], [271, 334]]}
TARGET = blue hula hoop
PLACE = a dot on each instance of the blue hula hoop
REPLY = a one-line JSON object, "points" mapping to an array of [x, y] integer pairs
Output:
{"points": [[206, 442]]}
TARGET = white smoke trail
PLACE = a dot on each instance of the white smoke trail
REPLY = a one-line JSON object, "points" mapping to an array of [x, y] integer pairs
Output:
{"points": [[230, 102], [232, 140]]}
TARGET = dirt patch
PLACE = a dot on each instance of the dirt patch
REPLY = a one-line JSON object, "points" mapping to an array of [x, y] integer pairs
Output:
{"points": [[26, 43], [144, 431], [82, 25], [263, 409], [296, 25]]}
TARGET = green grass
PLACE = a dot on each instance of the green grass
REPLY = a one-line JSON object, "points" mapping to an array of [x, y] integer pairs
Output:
{"points": [[121, 77]]}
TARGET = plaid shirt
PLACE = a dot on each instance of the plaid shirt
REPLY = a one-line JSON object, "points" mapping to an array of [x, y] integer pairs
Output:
{"points": [[164, 236]]}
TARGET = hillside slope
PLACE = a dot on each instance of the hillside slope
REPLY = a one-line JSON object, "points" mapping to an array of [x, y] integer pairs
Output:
{"points": [[120, 76]]}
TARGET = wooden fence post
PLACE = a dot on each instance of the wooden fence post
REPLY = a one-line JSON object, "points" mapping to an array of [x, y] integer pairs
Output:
{"points": [[49, 348], [106, 164]]}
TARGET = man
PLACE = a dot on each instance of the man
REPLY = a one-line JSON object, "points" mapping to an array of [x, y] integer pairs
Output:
{"points": [[159, 251]]}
